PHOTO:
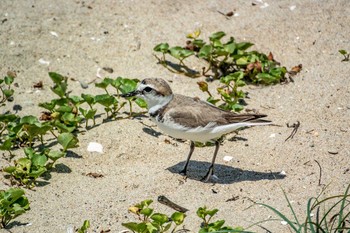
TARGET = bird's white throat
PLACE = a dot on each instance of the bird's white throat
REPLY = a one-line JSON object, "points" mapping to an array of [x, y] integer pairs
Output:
{"points": [[155, 103]]}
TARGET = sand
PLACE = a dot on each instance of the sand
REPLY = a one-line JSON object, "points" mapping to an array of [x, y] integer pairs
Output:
{"points": [[78, 38]]}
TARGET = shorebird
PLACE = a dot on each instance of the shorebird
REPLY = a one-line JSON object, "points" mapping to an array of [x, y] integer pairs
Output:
{"points": [[189, 118]]}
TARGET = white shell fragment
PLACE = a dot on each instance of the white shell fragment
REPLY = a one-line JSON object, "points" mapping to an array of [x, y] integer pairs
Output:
{"points": [[283, 173], [292, 8], [272, 135], [95, 147], [284, 223], [228, 158], [54, 33], [44, 62]]}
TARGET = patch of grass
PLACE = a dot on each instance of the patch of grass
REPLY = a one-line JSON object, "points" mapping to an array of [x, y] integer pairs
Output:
{"points": [[331, 214]]}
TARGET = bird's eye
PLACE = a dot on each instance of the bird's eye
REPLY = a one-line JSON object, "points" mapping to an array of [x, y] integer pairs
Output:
{"points": [[148, 89]]}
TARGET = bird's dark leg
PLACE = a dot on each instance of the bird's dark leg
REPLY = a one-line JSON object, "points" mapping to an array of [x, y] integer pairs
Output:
{"points": [[184, 170], [211, 168]]}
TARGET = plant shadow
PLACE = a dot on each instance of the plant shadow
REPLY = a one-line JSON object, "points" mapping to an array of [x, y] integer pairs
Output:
{"points": [[61, 168], [151, 132], [183, 69], [14, 224], [226, 174], [72, 154]]}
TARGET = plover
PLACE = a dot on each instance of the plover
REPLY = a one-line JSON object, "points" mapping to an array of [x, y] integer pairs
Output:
{"points": [[188, 118]]}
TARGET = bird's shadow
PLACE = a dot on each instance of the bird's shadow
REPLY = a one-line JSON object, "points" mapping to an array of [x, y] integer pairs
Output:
{"points": [[226, 174]]}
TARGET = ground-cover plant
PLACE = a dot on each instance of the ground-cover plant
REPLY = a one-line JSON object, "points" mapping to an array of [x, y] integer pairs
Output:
{"points": [[226, 57], [345, 54], [26, 170], [230, 95], [228, 60], [330, 214], [151, 222], [6, 91], [121, 86], [12, 204], [62, 119], [84, 228]]}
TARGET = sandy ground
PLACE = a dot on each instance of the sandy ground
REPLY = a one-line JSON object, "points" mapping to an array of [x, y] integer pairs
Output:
{"points": [[76, 38]]}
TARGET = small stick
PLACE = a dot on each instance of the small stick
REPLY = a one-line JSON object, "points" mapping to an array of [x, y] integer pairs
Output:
{"points": [[295, 127], [165, 201], [319, 179]]}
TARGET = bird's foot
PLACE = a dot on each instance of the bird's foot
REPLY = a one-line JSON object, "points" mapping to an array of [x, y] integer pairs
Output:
{"points": [[209, 175], [183, 172]]}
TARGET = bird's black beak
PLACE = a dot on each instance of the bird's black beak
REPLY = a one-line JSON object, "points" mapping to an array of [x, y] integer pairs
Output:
{"points": [[130, 94]]}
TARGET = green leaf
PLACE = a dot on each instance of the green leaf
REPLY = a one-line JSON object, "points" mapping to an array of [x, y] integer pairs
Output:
{"points": [[29, 120], [48, 105], [141, 103], [105, 100], [64, 108], [39, 160], [211, 213], [8, 117], [67, 141], [212, 100], [55, 155], [56, 78], [127, 85], [88, 98], [6, 145], [9, 169], [343, 52], [162, 47], [230, 47], [217, 36], [205, 52], [160, 218], [105, 83], [215, 226], [136, 227], [176, 52], [178, 217], [145, 203], [8, 80], [37, 172], [146, 211], [63, 127], [60, 89], [8, 93], [199, 43], [244, 45], [84, 227], [76, 99], [232, 77]]}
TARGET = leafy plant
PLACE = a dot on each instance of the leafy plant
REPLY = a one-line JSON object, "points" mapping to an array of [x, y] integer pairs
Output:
{"points": [[331, 214], [230, 61], [5, 88], [226, 57], [345, 54], [217, 226], [84, 227], [152, 222], [12, 204], [26, 170], [230, 94], [122, 86]]}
